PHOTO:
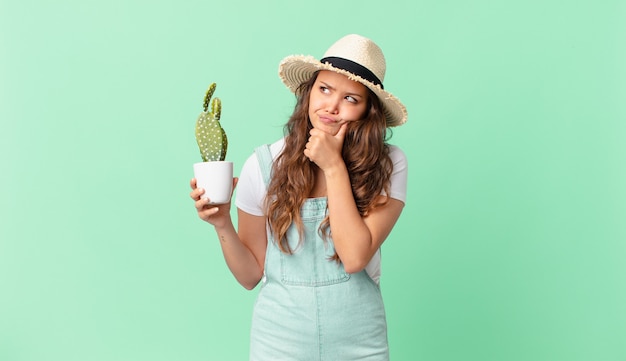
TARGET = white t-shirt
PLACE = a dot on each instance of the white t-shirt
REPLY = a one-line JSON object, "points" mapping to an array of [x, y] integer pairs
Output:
{"points": [[251, 190]]}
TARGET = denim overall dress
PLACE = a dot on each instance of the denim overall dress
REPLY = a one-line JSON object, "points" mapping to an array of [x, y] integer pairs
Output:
{"points": [[308, 307]]}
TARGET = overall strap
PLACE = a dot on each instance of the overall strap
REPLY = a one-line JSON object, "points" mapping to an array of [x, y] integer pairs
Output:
{"points": [[264, 157]]}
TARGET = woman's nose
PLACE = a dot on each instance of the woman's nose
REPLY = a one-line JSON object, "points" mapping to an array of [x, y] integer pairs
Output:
{"points": [[333, 105]]}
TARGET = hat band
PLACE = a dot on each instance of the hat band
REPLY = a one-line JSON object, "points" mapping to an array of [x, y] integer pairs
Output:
{"points": [[354, 68]]}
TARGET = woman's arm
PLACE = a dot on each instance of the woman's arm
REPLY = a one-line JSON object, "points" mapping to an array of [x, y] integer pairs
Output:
{"points": [[356, 238], [244, 252]]}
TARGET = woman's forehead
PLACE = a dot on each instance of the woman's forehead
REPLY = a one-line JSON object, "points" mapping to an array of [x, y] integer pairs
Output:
{"points": [[340, 81]]}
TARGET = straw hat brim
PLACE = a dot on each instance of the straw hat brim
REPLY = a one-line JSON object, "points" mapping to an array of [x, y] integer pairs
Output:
{"points": [[297, 69]]}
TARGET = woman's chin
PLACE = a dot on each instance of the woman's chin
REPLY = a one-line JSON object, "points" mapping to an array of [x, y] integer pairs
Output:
{"points": [[328, 128]]}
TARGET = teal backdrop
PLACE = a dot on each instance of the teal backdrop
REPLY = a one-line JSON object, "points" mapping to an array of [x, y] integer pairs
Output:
{"points": [[512, 244]]}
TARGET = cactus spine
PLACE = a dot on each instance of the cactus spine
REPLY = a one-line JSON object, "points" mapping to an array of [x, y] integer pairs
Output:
{"points": [[210, 135]]}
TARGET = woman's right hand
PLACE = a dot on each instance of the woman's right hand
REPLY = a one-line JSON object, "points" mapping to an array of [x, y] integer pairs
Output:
{"points": [[217, 215]]}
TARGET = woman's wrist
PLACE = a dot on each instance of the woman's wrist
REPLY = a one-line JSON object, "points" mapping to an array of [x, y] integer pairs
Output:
{"points": [[337, 170]]}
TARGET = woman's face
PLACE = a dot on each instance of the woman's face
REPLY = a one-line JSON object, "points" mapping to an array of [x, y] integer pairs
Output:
{"points": [[335, 100]]}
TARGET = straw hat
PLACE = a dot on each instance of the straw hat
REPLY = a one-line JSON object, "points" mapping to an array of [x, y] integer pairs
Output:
{"points": [[355, 56]]}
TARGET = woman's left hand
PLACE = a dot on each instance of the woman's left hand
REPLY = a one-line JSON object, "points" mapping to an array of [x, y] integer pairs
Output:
{"points": [[324, 149]]}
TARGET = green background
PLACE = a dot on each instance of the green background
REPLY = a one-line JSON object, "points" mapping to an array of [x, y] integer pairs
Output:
{"points": [[513, 241]]}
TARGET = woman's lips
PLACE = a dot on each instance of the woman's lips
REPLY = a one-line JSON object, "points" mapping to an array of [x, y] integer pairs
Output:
{"points": [[328, 120]]}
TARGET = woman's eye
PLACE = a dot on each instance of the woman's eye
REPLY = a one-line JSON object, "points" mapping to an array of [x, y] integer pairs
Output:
{"points": [[324, 89], [351, 99]]}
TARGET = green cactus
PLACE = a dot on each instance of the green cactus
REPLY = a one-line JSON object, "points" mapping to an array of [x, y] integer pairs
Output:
{"points": [[210, 135]]}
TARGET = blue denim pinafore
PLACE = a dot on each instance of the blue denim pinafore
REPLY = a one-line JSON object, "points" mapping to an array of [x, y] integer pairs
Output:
{"points": [[308, 307]]}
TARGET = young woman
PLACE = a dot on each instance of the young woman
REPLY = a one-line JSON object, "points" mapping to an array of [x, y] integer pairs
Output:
{"points": [[314, 208]]}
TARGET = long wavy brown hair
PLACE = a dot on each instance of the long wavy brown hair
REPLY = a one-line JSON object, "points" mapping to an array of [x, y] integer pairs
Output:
{"points": [[365, 152]]}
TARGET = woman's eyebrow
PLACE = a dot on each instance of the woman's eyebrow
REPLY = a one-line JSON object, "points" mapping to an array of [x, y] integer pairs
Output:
{"points": [[355, 94], [325, 84]]}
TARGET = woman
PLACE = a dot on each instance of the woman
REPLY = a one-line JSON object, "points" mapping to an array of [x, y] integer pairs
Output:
{"points": [[314, 209]]}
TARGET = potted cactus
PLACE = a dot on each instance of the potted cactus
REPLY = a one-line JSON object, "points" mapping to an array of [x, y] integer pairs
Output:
{"points": [[213, 174]]}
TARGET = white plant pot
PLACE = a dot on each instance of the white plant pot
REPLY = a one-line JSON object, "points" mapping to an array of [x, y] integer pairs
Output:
{"points": [[216, 178]]}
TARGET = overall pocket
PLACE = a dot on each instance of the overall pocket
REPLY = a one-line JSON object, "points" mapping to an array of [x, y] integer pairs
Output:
{"points": [[310, 264]]}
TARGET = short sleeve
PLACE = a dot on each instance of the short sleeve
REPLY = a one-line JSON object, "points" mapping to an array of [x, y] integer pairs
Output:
{"points": [[399, 175], [250, 188]]}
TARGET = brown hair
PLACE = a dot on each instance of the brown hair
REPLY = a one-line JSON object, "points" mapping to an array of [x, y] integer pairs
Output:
{"points": [[364, 151]]}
